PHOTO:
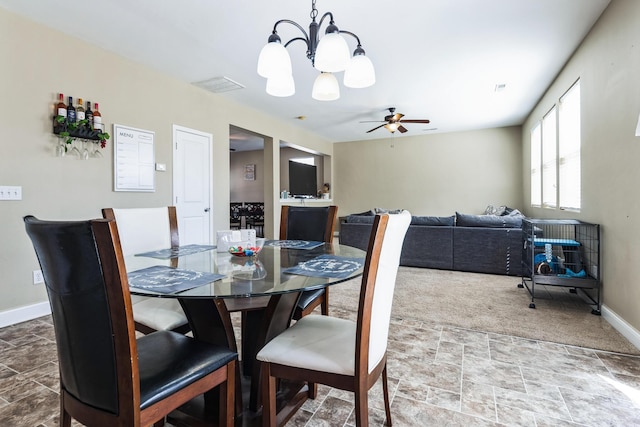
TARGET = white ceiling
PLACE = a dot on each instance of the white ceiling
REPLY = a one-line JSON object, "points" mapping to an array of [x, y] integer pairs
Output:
{"points": [[435, 59]]}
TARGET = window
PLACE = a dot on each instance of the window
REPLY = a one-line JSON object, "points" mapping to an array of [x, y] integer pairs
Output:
{"points": [[536, 176], [555, 155], [549, 167], [569, 149]]}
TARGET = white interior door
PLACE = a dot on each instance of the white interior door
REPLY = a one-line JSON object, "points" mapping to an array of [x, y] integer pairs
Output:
{"points": [[192, 180]]}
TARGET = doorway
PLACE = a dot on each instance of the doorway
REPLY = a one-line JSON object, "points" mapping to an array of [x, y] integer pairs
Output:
{"points": [[247, 179]]}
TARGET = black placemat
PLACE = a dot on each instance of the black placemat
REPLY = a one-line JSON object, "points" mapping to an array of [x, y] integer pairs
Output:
{"points": [[332, 266], [294, 244], [177, 252], [167, 280]]}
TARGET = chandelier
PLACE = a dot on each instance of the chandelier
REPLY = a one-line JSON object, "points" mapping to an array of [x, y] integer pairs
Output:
{"points": [[329, 54]]}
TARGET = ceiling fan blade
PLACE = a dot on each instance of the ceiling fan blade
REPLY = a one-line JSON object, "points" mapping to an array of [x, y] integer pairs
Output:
{"points": [[415, 121], [402, 129], [377, 127]]}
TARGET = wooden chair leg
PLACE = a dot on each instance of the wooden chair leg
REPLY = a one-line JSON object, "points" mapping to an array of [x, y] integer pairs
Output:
{"points": [[65, 418], [268, 397], [227, 397], [362, 408], [385, 391], [313, 390]]}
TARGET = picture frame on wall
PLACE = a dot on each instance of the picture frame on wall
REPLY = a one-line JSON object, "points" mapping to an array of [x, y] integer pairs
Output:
{"points": [[250, 172]]}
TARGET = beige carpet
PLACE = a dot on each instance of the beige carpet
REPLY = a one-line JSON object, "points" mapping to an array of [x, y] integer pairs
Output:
{"points": [[493, 303]]}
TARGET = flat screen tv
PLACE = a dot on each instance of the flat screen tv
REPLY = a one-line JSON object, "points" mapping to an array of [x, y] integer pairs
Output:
{"points": [[302, 179]]}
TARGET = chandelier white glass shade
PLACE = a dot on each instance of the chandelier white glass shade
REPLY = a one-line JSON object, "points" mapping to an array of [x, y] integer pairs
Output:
{"points": [[281, 85], [329, 54], [326, 88], [360, 73]]}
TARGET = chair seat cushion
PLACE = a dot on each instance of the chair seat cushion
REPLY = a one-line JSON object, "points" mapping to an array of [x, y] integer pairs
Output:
{"points": [[307, 297], [169, 361], [321, 343], [161, 314]]}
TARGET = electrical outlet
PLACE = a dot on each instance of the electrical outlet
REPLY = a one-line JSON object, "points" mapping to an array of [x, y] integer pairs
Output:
{"points": [[37, 277]]}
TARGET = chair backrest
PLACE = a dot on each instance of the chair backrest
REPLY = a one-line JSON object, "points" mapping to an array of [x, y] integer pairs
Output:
{"points": [[235, 211], [87, 286], [145, 229], [255, 210], [378, 284], [308, 223]]}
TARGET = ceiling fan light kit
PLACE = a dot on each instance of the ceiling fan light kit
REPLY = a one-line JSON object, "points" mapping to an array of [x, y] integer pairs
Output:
{"points": [[329, 54], [393, 122]]}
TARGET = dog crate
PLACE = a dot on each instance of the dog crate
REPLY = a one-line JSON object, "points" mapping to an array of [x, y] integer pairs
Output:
{"points": [[562, 253]]}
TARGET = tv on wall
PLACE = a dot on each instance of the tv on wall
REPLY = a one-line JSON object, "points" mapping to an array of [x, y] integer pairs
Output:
{"points": [[302, 179]]}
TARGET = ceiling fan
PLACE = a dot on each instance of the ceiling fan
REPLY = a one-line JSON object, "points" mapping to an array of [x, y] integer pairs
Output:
{"points": [[393, 122]]}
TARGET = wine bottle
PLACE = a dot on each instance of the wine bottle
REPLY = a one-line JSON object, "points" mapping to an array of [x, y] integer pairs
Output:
{"points": [[61, 108], [97, 118], [88, 114], [80, 110], [71, 111]]}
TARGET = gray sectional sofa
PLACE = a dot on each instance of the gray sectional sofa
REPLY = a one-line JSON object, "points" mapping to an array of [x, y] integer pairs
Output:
{"points": [[476, 243]]}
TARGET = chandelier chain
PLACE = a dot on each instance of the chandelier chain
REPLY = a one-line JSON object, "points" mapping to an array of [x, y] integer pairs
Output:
{"points": [[314, 11]]}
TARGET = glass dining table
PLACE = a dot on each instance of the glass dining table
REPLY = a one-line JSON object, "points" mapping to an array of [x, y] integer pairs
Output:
{"points": [[210, 285]]}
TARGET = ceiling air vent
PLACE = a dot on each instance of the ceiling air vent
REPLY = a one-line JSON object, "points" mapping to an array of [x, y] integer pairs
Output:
{"points": [[219, 84]]}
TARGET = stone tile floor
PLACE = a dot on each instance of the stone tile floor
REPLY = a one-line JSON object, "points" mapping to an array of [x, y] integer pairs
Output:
{"points": [[439, 376]]}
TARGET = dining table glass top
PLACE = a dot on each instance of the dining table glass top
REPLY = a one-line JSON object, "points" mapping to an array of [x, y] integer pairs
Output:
{"points": [[277, 268]]}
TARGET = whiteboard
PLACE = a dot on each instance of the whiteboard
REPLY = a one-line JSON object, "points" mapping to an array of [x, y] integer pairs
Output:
{"points": [[133, 159]]}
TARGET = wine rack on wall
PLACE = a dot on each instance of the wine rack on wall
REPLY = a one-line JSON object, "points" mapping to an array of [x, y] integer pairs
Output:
{"points": [[78, 134]]}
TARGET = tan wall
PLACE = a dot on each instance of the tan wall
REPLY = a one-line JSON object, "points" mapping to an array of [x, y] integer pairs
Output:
{"points": [[38, 63], [608, 65], [436, 174], [246, 190]]}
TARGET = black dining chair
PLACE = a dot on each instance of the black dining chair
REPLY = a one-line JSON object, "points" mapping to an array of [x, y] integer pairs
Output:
{"points": [[338, 352], [107, 376], [315, 224], [255, 217]]}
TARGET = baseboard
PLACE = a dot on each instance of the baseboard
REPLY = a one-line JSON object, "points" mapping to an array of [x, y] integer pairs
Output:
{"points": [[22, 314], [620, 325]]}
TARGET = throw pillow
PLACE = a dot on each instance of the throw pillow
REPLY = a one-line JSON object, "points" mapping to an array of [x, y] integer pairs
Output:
{"points": [[365, 213], [389, 211], [491, 210]]}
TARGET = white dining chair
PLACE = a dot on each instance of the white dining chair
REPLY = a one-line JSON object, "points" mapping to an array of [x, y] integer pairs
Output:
{"points": [[337, 352], [143, 230]]}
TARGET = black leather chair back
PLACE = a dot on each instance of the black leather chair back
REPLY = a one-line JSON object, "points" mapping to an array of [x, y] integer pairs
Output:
{"points": [[83, 326], [307, 223]]}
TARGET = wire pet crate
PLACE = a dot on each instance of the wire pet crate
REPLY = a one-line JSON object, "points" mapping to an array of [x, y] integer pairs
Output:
{"points": [[562, 253]]}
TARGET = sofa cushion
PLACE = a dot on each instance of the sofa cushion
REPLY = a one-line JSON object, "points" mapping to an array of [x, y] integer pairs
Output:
{"points": [[361, 219], [506, 221], [433, 220]]}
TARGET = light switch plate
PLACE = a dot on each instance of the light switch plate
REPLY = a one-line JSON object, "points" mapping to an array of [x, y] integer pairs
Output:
{"points": [[10, 192]]}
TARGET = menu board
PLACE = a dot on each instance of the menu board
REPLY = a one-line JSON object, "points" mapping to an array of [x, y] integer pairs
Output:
{"points": [[134, 159]]}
